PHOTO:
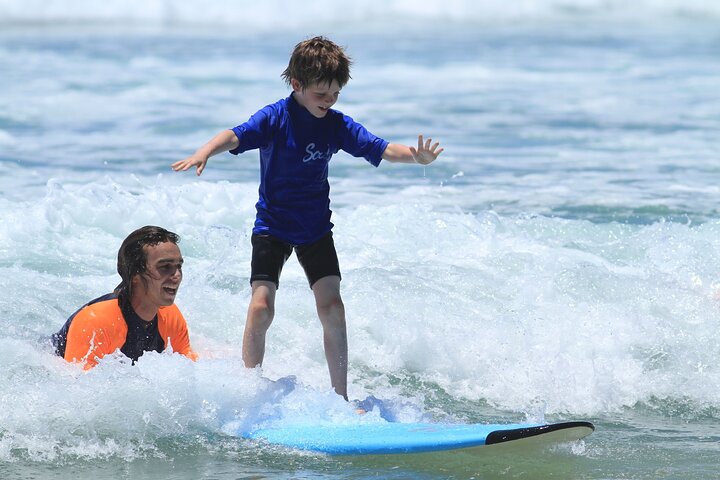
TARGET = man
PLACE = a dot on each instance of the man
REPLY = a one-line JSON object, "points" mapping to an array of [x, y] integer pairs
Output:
{"points": [[139, 315]]}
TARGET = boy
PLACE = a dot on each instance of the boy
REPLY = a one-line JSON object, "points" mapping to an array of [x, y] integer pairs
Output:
{"points": [[297, 136]]}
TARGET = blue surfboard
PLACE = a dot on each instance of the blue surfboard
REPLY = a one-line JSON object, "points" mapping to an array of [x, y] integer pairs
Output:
{"points": [[408, 438]]}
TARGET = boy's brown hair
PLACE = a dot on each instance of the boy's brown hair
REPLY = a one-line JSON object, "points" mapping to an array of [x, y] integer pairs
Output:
{"points": [[318, 60]]}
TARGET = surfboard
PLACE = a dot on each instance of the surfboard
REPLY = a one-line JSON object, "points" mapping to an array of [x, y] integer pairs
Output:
{"points": [[411, 438]]}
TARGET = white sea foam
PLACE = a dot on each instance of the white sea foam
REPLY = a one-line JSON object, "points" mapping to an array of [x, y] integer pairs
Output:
{"points": [[585, 317]]}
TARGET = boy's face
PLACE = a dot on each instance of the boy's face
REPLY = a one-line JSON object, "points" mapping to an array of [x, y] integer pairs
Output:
{"points": [[317, 98]]}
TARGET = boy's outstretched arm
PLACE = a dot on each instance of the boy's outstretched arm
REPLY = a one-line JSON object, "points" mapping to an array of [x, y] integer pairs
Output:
{"points": [[222, 142], [424, 153]]}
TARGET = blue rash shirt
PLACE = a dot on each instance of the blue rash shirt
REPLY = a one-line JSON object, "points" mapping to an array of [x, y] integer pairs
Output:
{"points": [[295, 149]]}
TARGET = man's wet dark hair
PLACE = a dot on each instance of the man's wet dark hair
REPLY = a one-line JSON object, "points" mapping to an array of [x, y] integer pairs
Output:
{"points": [[132, 258]]}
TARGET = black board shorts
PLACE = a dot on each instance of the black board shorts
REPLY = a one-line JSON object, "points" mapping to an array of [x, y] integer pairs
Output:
{"points": [[269, 254]]}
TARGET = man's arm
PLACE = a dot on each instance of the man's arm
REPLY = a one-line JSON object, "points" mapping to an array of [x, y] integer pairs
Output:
{"points": [[222, 142], [424, 154], [174, 330], [90, 338]]}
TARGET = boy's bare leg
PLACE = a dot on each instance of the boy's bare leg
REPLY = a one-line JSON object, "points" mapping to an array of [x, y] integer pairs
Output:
{"points": [[259, 317], [331, 312]]}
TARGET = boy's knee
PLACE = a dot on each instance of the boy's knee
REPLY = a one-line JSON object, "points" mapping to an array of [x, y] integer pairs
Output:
{"points": [[260, 315], [331, 310], [330, 302]]}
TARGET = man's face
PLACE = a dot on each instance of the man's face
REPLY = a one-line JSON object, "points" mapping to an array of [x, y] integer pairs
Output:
{"points": [[163, 275], [317, 98]]}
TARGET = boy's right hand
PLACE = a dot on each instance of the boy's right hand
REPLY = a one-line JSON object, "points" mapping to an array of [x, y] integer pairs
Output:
{"points": [[194, 160], [222, 142]]}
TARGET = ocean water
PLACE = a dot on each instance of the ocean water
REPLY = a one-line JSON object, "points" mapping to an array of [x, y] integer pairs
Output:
{"points": [[559, 261]]}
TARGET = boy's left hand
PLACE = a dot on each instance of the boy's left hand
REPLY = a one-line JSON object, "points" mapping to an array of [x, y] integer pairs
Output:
{"points": [[425, 153]]}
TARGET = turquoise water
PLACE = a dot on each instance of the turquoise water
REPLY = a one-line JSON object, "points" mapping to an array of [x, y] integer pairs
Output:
{"points": [[558, 262]]}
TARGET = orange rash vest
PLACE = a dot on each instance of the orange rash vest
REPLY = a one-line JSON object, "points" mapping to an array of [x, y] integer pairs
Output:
{"points": [[100, 328]]}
